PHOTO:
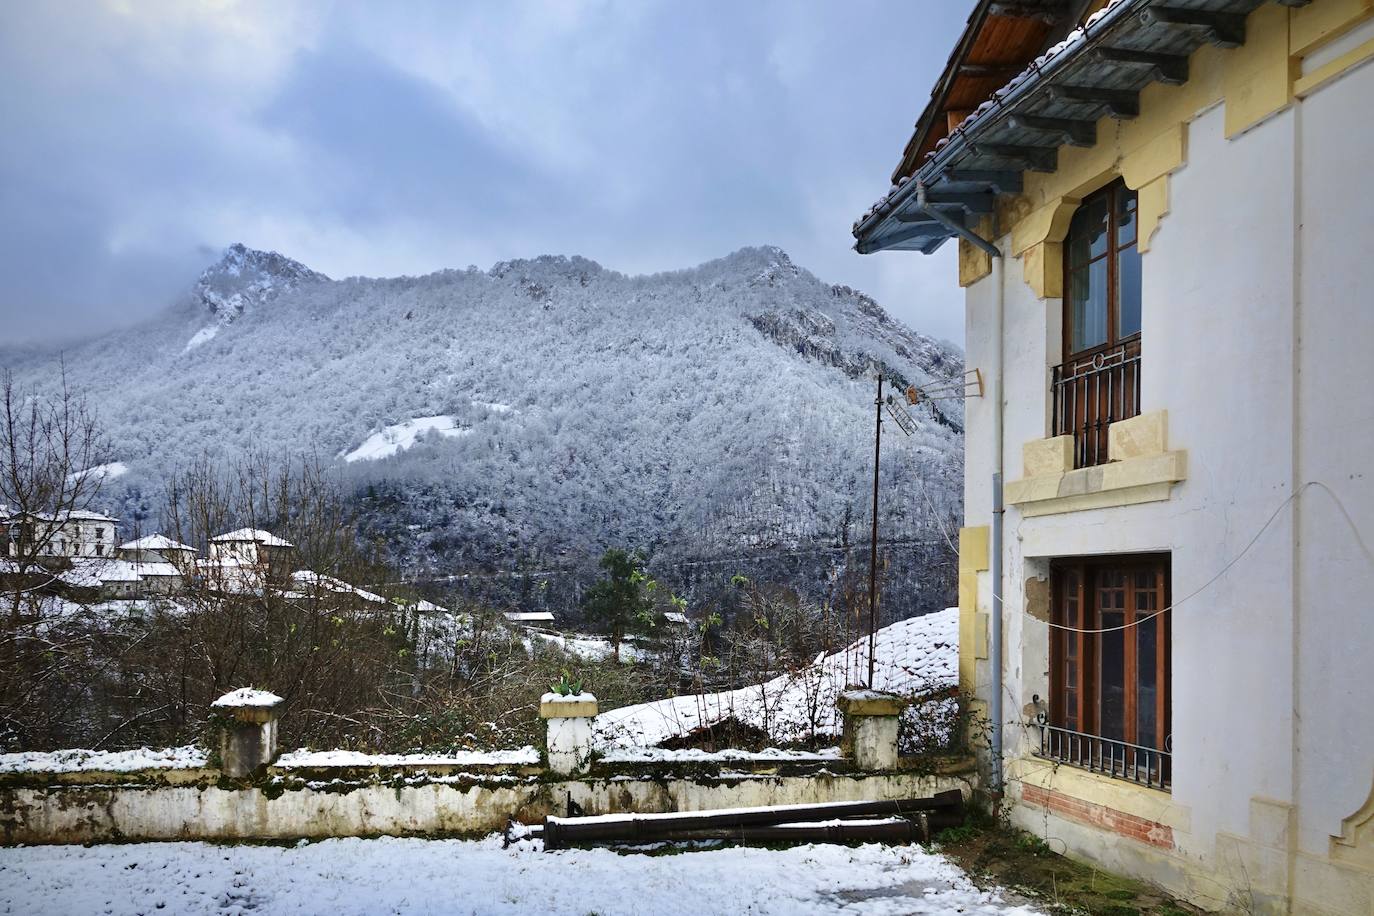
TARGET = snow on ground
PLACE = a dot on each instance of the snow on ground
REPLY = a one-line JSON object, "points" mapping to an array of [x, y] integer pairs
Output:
{"points": [[352, 876], [103, 471], [914, 658], [525, 756], [72, 761], [591, 648], [728, 755], [401, 436], [204, 335]]}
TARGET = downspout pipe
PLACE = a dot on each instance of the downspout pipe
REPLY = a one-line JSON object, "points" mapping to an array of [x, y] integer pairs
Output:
{"points": [[995, 546], [995, 564], [953, 225]]}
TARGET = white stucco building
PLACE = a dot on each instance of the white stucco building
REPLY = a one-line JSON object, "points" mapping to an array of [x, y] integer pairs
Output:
{"points": [[1166, 575], [77, 533]]}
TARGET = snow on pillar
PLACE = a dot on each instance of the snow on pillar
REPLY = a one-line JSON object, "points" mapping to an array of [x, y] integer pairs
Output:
{"points": [[247, 730], [870, 727], [569, 723]]}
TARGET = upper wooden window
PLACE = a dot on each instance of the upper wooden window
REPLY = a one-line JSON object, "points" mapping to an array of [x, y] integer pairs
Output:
{"points": [[1102, 267]]}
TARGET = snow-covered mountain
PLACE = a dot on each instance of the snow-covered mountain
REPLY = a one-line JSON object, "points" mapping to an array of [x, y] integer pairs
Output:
{"points": [[534, 413]]}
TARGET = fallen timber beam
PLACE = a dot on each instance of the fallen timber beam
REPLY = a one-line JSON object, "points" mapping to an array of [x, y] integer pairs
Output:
{"points": [[892, 830], [641, 828]]}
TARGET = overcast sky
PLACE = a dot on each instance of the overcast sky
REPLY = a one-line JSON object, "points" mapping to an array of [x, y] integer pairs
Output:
{"points": [[140, 138]]}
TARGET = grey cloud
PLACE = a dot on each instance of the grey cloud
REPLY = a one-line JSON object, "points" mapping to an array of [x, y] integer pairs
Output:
{"points": [[647, 141]]}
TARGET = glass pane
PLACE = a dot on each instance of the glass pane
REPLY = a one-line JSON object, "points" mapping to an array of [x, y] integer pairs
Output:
{"points": [[1111, 688], [1112, 682], [1125, 217], [1095, 224], [1088, 232], [1145, 646], [1088, 313], [1128, 291]]}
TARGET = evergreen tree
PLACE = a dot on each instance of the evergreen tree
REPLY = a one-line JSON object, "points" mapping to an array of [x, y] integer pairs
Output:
{"points": [[622, 601]]}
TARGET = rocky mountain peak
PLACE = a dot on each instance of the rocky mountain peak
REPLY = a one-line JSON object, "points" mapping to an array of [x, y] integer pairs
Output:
{"points": [[246, 278]]}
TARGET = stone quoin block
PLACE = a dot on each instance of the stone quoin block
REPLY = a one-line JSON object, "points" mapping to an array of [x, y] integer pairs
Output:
{"points": [[568, 739], [247, 730], [870, 727]]}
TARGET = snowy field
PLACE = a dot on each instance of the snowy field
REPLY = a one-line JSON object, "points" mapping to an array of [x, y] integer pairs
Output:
{"points": [[914, 658], [463, 877]]}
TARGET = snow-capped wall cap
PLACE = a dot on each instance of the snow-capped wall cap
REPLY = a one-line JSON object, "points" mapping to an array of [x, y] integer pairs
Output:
{"points": [[871, 703], [84, 761], [249, 705], [573, 706]]}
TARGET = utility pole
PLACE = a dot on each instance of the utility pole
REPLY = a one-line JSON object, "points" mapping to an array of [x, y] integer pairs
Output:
{"points": [[873, 545]]}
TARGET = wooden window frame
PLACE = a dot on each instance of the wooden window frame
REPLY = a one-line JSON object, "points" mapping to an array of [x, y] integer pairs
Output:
{"points": [[1083, 573], [1114, 248]]}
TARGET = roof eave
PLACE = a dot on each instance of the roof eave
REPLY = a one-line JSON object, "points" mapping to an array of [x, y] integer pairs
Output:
{"points": [[893, 223]]}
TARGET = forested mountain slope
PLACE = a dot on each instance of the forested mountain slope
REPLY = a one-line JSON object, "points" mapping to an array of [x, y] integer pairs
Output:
{"points": [[527, 416]]}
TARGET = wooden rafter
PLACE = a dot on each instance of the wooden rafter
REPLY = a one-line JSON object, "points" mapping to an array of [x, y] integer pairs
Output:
{"points": [[1003, 182], [1030, 158], [1072, 131], [1119, 103], [1171, 69], [972, 201], [1225, 30]]}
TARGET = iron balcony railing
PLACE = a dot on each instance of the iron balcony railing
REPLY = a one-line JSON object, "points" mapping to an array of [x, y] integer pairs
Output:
{"points": [[1145, 766], [1092, 392]]}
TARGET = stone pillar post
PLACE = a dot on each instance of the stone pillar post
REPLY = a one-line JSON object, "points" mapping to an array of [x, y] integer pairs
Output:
{"points": [[870, 727], [569, 723], [247, 730]]}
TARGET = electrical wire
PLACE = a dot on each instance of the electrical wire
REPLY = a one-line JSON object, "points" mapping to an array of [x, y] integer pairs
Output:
{"points": [[1359, 539]]}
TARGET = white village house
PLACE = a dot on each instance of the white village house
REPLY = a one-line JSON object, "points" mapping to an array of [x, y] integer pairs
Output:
{"points": [[157, 548], [1164, 233], [78, 533]]}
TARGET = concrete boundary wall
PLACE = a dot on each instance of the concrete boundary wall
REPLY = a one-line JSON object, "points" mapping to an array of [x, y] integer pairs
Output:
{"points": [[284, 804]]}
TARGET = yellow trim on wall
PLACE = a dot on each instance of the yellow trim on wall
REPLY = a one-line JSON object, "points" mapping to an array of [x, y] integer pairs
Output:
{"points": [[973, 559], [1314, 25], [974, 262], [1313, 81]]}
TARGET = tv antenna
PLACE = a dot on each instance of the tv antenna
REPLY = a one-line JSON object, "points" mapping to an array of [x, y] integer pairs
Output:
{"points": [[969, 385]]}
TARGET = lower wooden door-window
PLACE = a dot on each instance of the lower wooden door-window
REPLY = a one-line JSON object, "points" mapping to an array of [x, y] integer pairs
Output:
{"points": [[1109, 665]]}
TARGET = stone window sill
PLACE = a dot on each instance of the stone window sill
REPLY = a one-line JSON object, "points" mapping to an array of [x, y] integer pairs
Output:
{"points": [[1119, 483], [1142, 469]]}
